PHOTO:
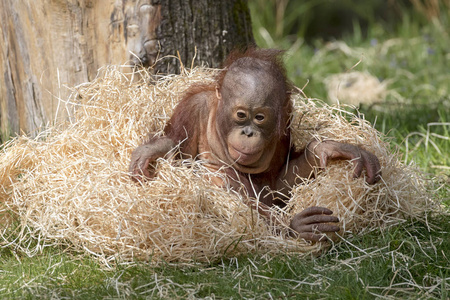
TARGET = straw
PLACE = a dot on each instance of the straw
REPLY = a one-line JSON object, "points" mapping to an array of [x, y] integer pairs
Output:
{"points": [[69, 186]]}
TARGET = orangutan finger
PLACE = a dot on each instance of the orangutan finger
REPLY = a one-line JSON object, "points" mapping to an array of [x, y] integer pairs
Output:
{"points": [[359, 166], [316, 228], [315, 219], [143, 168], [373, 171], [323, 160], [313, 210]]}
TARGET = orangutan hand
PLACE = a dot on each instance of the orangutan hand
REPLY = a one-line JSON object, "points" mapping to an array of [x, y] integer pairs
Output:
{"points": [[362, 159], [312, 224], [143, 158]]}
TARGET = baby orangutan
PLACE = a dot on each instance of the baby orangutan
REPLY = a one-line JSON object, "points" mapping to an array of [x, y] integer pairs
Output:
{"points": [[240, 125]]}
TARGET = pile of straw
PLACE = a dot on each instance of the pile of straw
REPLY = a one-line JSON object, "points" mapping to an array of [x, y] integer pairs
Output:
{"points": [[355, 88], [70, 185]]}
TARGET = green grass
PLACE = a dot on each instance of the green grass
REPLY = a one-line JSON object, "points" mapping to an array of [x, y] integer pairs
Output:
{"points": [[407, 261]]}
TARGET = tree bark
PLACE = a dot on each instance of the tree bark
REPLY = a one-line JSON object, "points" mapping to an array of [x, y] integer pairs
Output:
{"points": [[48, 45], [205, 29]]}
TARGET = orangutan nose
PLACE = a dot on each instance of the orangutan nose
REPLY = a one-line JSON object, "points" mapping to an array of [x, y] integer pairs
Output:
{"points": [[248, 131]]}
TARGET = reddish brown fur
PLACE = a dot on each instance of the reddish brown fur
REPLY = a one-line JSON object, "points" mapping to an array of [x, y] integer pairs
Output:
{"points": [[186, 126], [270, 55]]}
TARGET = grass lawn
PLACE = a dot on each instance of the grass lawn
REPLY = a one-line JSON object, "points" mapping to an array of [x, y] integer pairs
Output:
{"points": [[410, 260]]}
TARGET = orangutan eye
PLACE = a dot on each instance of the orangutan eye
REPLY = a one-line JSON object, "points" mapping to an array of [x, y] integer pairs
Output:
{"points": [[241, 115], [259, 117]]}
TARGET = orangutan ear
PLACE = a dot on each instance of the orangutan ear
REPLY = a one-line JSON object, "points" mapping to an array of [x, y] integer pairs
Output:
{"points": [[218, 94]]}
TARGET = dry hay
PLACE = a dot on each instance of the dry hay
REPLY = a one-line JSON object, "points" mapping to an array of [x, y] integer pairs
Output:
{"points": [[355, 88], [70, 185]]}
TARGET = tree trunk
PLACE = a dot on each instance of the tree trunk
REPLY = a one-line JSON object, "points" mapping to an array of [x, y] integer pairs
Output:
{"points": [[49, 45], [205, 29]]}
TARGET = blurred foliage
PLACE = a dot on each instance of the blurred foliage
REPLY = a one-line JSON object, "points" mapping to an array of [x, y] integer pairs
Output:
{"points": [[277, 20]]}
